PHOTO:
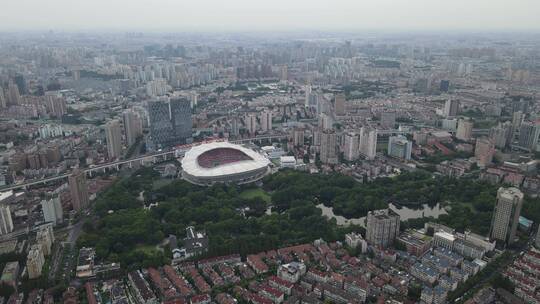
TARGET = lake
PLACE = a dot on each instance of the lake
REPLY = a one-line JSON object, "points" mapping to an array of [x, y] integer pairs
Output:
{"points": [[404, 213]]}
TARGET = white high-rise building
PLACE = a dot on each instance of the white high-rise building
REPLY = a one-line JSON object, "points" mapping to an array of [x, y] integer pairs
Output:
{"points": [[505, 218], [326, 122], [6, 222], [351, 147], [266, 121], [484, 151], [52, 210], [113, 133], [368, 143], [45, 238]]}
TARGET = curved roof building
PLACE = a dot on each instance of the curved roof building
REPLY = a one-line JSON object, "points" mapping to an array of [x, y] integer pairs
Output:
{"points": [[223, 162]]}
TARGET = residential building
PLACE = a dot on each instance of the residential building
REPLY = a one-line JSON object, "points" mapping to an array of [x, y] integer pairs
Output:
{"points": [[484, 151], [368, 143], [35, 261], [6, 222], [78, 190], [113, 134], [339, 104], [132, 126], [328, 153], [251, 123], [382, 227], [266, 121], [451, 108], [351, 148], [464, 129], [52, 210]]}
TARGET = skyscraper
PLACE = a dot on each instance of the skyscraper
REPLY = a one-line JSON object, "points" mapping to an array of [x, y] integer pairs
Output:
{"points": [[328, 153], [52, 210], [170, 123], [351, 147], [382, 227], [181, 120], [161, 130], [505, 218], [113, 133], [464, 129], [132, 126], [266, 121], [3, 101], [78, 190], [339, 104], [451, 108], [21, 84], [484, 151], [6, 222], [399, 147]]}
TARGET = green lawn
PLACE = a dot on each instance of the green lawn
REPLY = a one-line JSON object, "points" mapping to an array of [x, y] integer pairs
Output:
{"points": [[255, 192]]}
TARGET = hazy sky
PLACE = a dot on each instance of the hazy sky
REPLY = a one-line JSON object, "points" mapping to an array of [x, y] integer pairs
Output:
{"points": [[183, 15]]}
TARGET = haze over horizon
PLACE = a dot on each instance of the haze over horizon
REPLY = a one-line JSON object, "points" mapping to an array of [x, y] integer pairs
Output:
{"points": [[279, 15]]}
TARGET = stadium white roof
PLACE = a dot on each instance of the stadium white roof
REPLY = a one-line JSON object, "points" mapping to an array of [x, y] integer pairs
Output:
{"points": [[191, 166]]}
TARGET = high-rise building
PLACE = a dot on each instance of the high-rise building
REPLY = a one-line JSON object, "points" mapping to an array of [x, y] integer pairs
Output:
{"points": [[326, 122], [388, 119], [21, 84], [266, 121], [351, 147], [14, 97], [35, 261], [451, 108], [307, 89], [3, 101], [501, 135], [52, 210], [161, 129], [464, 129], [339, 104], [181, 120], [6, 222], [132, 127], [505, 218], [113, 133], [170, 123], [298, 137], [449, 124], [45, 238], [528, 135], [382, 227], [368, 143], [399, 147], [328, 153], [235, 129], [483, 151], [78, 190], [251, 123], [517, 120]]}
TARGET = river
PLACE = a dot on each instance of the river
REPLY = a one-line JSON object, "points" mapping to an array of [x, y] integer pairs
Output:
{"points": [[404, 213]]}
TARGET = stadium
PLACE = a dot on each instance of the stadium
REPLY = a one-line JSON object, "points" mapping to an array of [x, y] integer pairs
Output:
{"points": [[223, 162]]}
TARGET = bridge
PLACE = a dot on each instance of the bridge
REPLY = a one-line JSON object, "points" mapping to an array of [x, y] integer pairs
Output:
{"points": [[151, 158]]}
